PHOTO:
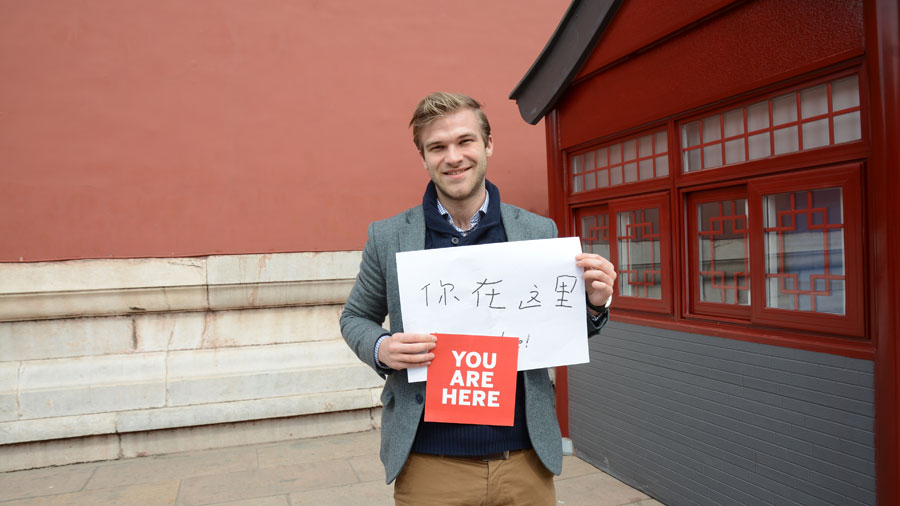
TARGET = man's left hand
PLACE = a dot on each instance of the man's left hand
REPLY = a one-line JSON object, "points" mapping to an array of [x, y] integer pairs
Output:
{"points": [[599, 276]]}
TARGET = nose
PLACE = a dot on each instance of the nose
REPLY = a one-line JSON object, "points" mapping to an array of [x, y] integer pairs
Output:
{"points": [[454, 155]]}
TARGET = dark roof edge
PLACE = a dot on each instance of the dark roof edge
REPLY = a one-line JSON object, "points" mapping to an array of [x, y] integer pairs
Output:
{"points": [[562, 57]]}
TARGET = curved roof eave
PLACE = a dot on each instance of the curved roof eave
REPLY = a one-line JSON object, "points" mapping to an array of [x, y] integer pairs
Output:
{"points": [[562, 57]]}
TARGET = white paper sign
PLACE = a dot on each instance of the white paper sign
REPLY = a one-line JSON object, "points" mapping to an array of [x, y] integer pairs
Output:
{"points": [[526, 289]]}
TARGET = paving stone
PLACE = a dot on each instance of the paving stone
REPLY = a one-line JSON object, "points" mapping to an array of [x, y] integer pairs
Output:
{"points": [[360, 494], [325, 448], [150, 494], [173, 467], [265, 482], [574, 467], [278, 500], [41, 482], [598, 489], [368, 467]]}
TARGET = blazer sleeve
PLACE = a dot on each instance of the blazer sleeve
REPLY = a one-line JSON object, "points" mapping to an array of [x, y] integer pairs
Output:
{"points": [[366, 307]]}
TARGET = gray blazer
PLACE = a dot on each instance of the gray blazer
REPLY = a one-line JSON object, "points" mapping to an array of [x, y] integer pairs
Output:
{"points": [[376, 295]]}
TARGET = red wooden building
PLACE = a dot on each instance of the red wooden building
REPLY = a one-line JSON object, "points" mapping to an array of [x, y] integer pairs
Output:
{"points": [[737, 161]]}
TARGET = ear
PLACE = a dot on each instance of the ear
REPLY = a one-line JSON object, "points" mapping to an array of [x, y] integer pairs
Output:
{"points": [[489, 146]]}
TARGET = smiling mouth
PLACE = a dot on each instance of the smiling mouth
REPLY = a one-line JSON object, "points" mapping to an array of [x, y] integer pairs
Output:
{"points": [[455, 172]]}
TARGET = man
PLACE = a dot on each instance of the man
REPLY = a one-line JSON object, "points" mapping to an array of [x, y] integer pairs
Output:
{"points": [[445, 463]]}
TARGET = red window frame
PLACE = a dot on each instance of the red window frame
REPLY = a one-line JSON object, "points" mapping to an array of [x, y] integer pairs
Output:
{"points": [[612, 209], [695, 305], [846, 177]]}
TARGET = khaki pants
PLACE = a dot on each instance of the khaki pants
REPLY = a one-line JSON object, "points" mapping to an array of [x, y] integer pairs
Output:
{"points": [[435, 480]]}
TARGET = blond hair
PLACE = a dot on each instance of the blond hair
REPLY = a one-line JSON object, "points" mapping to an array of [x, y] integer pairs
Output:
{"points": [[439, 104]]}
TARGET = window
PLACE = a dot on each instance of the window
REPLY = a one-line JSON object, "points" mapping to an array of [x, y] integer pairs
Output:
{"points": [[635, 159], [820, 115], [641, 251], [761, 245]]}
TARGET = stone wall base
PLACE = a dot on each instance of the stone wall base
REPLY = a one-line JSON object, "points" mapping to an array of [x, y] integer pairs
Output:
{"points": [[57, 452]]}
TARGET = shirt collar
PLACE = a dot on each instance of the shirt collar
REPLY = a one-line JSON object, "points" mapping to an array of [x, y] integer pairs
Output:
{"points": [[473, 222]]}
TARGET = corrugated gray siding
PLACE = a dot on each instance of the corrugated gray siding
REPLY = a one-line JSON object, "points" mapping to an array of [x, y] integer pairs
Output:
{"points": [[699, 420]]}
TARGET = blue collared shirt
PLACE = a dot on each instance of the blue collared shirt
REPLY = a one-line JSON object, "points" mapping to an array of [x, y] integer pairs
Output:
{"points": [[473, 222]]}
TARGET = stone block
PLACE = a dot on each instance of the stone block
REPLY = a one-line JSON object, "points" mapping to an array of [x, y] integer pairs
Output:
{"points": [[280, 267], [273, 326], [58, 452], [9, 386], [82, 385], [60, 427], [238, 411], [277, 383], [170, 331], [237, 434], [224, 362], [102, 274], [38, 340]]}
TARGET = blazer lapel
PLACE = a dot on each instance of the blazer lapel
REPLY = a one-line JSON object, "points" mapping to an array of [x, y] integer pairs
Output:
{"points": [[515, 230], [412, 236]]}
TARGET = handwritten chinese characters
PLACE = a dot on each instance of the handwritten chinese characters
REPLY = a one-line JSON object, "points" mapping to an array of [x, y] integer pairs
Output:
{"points": [[531, 290]]}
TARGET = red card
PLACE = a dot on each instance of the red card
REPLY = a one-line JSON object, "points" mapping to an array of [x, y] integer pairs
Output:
{"points": [[472, 379]]}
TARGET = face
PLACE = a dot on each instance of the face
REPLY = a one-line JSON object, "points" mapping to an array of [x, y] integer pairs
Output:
{"points": [[455, 156]]}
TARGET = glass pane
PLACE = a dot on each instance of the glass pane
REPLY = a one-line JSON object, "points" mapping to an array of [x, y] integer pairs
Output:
{"points": [[712, 156], [630, 172], [662, 166], [847, 127], [845, 93], [690, 134], [814, 101], [590, 181], [602, 157], [815, 133], [734, 151], [577, 184], [759, 146], [724, 252], [645, 146], [639, 254], [758, 116], [662, 142], [589, 163], [615, 175], [692, 160], [603, 178], [645, 169], [595, 234], [712, 129], [577, 164], [734, 122], [804, 248], [630, 150], [615, 154], [786, 140], [784, 109]]}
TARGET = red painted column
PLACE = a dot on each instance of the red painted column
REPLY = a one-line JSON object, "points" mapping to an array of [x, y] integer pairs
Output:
{"points": [[883, 61]]}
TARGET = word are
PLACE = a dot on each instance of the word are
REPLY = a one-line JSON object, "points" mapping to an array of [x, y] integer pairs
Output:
{"points": [[475, 381], [488, 293]]}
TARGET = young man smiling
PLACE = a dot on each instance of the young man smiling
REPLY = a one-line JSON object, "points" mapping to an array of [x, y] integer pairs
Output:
{"points": [[444, 463]]}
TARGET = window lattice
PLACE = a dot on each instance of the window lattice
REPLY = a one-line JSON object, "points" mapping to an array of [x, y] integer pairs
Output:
{"points": [[813, 117], [636, 159]]}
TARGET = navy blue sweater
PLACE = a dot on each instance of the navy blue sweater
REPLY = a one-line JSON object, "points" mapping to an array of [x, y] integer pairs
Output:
{"points": [[463, 439]]}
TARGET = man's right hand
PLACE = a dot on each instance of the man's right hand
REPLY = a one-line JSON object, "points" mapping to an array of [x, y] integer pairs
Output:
{"points": [[403, 350]]}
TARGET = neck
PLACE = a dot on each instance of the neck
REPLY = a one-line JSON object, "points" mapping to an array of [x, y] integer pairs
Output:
{"points": [[462, 211]]}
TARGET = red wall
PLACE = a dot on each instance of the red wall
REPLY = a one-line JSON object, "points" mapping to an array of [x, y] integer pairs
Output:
{"points": [[169, 128]]}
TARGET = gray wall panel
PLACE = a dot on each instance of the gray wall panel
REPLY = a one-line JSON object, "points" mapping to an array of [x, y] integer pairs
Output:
{"points": [[693, 419]]}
